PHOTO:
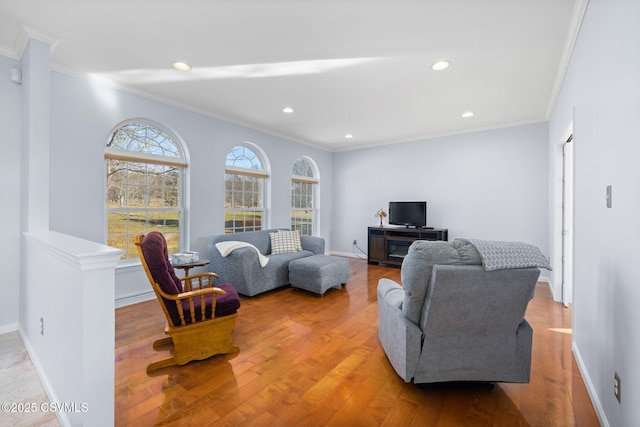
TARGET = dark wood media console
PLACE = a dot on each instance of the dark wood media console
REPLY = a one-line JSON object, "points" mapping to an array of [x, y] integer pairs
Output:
{"points": [[390, 245]]}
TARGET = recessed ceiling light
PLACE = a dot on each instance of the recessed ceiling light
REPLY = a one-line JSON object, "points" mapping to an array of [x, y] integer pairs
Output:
{"points": [[287, 110], [440, 65], [467, 114], [348, 136], [182, 66]]}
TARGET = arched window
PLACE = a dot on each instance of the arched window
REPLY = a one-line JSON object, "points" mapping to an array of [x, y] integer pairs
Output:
{"points": [[145, 168], [303, 197], [244, 183]]}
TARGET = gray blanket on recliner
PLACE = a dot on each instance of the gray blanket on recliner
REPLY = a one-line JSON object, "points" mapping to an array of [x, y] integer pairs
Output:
{"points": [[499, 255]]}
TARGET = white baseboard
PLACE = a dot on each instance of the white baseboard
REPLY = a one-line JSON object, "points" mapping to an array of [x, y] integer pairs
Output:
{"points": [[348, 255], [595, 400], [11, 327], [134, 299], [44, 380]]}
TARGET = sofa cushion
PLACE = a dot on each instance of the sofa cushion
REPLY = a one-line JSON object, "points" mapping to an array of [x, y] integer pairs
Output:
{"points": [[241, 268], [259, 239], [418, 264], [284, 241]]}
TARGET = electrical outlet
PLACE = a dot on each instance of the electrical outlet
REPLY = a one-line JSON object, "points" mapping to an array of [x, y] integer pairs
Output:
{"points": [[617, 391], [355, 242], [42, 326]]}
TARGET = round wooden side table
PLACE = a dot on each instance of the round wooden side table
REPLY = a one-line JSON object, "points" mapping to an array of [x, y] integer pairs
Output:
{"points": [[188, 266]]}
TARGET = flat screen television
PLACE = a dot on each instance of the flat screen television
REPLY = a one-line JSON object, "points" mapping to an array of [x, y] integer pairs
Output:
{"points": [[409, 214]]}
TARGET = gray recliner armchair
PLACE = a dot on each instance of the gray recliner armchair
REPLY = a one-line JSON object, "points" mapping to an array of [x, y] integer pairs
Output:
{"points": [[452, 320]]}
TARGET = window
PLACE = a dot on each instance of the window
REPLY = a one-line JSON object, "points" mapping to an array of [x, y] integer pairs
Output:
{"points": [[303, 197], [244, 183], [145, 169]]}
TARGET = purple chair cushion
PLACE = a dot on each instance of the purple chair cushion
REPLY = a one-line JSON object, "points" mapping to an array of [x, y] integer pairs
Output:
{"points": [[229, 303], [154, 249], [225, 304]]}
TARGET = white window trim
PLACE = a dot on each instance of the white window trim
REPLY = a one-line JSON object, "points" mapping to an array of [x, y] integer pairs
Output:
{"points": [[185, 176], [316, 202], [265, 173]]}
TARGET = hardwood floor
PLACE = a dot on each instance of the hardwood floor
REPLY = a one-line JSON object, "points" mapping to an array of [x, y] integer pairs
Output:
{"points": [[311, 361]]}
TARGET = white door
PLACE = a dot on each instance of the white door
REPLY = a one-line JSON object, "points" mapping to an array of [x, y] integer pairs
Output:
{"points": [[567, 221]]}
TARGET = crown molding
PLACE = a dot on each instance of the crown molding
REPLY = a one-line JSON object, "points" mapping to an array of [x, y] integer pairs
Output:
{"points": [[8, 52], [138, 92], [579, 10], [27, 33]]}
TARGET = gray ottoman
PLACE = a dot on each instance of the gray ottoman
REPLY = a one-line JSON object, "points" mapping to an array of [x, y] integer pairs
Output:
{"points": [[318, 273]]}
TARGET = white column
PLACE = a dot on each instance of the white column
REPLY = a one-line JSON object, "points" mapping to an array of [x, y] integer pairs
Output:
{"points": [[36, 116]]}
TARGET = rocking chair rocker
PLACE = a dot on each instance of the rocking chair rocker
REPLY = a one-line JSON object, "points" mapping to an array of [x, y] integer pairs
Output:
{"points": [[199, 321]]}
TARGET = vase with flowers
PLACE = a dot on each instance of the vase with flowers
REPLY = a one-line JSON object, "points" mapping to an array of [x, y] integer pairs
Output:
{"points": [[381, 214]]}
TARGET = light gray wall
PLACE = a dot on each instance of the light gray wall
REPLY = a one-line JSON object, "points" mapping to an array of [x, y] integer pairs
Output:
{"points": [[83, 114], [10, 122], [602, 89], [489, 185]]}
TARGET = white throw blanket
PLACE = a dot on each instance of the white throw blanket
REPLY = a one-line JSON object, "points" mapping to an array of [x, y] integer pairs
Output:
{"points": [[225, 248]]}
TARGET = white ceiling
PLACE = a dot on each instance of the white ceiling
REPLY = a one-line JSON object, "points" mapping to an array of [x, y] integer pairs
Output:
{"points": [[360, 67]]}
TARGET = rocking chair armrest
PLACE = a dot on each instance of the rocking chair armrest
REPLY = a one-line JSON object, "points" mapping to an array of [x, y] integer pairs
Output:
{"points": [[198, 275], [190, 294], [198, 292], [200, 280]]}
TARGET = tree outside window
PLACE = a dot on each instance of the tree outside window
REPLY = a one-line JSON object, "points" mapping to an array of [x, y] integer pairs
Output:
{"points": [[245, 180], [145, 169], [303, 197]]}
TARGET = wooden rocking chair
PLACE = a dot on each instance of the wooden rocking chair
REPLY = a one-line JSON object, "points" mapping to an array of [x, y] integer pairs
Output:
{"points": [[199, 321]]}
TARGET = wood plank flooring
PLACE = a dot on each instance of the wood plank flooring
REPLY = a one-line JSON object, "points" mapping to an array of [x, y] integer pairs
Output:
{"points": [[311, 361]]}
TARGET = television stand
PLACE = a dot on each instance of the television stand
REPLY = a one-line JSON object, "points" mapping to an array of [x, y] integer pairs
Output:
{"points": [[389, 245]]}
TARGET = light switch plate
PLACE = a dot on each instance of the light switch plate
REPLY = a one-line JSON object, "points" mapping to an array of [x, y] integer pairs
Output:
{"points": [[608, 196]]}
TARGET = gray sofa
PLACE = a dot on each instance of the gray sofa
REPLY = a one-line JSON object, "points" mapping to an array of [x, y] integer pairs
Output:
{"points": [[242, 267], [452, 320]]}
